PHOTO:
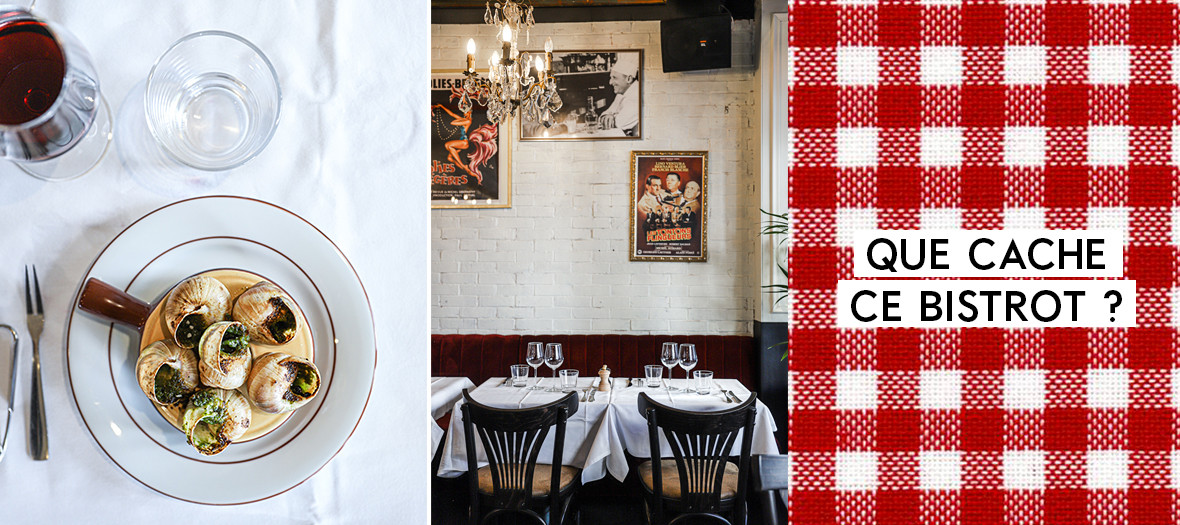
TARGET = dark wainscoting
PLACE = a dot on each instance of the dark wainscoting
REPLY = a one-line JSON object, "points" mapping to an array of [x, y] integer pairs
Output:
{"points": [[773, 374]]}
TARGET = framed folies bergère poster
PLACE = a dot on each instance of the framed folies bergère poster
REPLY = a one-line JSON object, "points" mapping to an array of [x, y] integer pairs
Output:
{"points": [[470, 157]]}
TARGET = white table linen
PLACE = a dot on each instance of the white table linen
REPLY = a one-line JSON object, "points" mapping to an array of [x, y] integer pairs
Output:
{"points": [[630, 427], [603, 430], [586, 446], [444, 392], [348, 156]]}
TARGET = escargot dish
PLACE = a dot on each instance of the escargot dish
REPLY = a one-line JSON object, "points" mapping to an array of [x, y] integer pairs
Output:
{"points": [[281, 383], [166, 372], [193, 305], [225, 355], [214, 418], [268, 313]]}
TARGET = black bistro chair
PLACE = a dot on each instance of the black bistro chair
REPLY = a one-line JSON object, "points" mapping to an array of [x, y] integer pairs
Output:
{"points": [[770, 477], [699, 483], [514, 485]]}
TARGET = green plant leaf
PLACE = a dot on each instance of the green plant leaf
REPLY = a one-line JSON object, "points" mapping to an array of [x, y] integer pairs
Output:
{"points": [[777, 224]]}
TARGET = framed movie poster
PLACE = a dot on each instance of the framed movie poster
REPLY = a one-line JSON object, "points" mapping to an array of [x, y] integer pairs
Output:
{"points": [[601, 94], [668, 205], [470, 157]]}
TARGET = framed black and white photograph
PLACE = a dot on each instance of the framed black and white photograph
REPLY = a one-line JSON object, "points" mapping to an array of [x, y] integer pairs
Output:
{"points": [[602, 97]]}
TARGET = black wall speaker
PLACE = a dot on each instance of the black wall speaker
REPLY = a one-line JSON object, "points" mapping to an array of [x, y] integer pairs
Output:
{"points": [[692, 44]]}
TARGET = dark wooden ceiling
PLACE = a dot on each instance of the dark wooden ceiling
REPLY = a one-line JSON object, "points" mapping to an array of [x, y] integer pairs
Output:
{"points": [[597, 10]]}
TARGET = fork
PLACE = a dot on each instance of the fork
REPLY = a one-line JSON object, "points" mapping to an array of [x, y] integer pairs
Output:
{"points": [[731, 397], [38, 434]]}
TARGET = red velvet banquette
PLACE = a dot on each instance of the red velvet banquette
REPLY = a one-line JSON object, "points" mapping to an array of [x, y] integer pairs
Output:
{"points": [[479, 357]]}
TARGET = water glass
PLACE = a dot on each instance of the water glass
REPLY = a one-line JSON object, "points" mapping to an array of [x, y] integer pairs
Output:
{"points": [[704, 381], [212, 100], [654, 374], [569, 380], [520, 375]]}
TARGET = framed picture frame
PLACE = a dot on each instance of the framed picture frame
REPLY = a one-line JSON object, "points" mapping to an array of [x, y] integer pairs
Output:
{"points": [[602, 97], [470, 157], [669, 206], [545, 3]]}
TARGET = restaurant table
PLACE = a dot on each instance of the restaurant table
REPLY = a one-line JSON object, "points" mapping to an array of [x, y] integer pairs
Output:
{"points": [[599, 434], [444, 392], [347, 156], [586, 446], [629, 427]]}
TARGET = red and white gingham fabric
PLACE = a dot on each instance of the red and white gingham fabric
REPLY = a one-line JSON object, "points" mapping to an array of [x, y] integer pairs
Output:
{"points": [[912, 114]]}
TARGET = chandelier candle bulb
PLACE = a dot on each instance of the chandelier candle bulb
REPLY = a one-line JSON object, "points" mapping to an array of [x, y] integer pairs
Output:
{"points": [[507, 42], [471, 55], [548, 54]]}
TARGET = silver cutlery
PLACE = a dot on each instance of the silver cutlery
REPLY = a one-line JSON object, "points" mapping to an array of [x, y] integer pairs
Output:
{"points": [[591, 399], [504, 382], [585, 394], [729, 395], [38, 433], [11, 390]]}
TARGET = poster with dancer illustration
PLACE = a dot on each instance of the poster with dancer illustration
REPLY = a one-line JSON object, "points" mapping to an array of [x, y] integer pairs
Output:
{"points": [[668, 206], [469, 155]]}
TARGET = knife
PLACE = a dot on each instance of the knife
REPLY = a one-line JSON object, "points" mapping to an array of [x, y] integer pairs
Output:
{"points": [[734, 397]]}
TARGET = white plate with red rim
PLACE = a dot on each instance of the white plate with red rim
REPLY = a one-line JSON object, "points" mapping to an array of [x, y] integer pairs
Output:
{"points": [[193, 236]]}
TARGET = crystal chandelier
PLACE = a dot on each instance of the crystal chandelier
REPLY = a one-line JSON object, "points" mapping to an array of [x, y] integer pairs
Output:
{"points": [[515, 80]]}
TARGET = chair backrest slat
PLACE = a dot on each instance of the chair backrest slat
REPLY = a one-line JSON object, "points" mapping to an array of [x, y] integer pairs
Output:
{"points": [[512, 440], [701, 444]]}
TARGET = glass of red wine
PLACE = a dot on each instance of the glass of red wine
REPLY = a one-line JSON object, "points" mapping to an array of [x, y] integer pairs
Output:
{"points": [[54, 123]]}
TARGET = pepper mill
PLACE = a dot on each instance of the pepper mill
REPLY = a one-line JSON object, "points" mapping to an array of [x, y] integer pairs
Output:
{"points": [[604, 379]]}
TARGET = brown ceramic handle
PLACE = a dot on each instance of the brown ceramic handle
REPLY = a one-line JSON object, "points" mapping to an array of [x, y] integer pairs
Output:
{"points": [[113, 304]]}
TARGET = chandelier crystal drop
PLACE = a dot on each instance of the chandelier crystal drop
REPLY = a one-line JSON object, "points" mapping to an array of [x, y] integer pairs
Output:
{"points": [[516, 81]]}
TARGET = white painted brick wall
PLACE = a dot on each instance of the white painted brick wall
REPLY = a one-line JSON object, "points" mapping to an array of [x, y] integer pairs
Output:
{"points": [[557, 260]]}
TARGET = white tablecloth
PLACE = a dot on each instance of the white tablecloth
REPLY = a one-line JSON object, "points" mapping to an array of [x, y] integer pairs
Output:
{"points": [[629, 427], [444, 392], [598, 435], [348, 156], [586, 446]]}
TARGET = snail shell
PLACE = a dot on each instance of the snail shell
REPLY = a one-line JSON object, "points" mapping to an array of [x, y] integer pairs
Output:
{"points": [[193, 305], [281, 383], [268, 313], [225, 355], [214, 418], [167, 373]]}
